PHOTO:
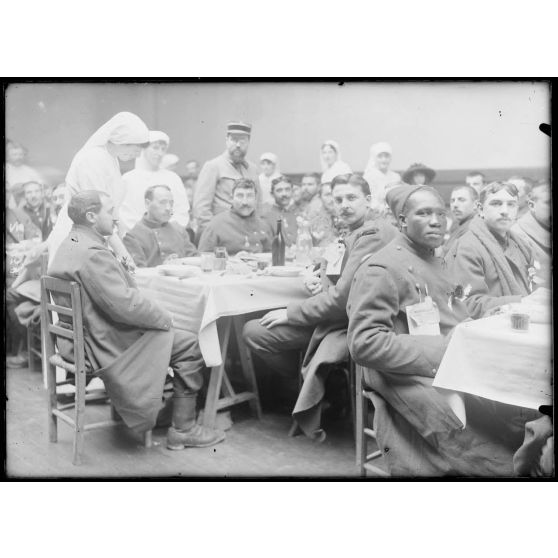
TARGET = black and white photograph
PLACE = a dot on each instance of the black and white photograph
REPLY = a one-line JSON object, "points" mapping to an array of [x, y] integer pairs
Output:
{"points": [[278, 279]]}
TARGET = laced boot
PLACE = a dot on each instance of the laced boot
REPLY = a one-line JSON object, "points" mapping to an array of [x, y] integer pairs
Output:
{"points": [[184, 432]]}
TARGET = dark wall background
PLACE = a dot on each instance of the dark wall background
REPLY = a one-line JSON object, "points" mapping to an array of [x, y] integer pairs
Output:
{"points": [[453, 128]]}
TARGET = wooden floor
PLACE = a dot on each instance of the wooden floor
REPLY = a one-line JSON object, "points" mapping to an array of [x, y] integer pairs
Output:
{"points": [[252, 449]]}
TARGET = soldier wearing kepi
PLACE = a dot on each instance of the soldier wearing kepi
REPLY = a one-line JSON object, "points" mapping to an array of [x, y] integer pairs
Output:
{"points": [[213, 193], [129, 340], [399, 327]]}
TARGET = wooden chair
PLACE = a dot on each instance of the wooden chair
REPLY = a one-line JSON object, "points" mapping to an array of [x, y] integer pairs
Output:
{"points": [[364, 403], [34, 328], [51, 359]]}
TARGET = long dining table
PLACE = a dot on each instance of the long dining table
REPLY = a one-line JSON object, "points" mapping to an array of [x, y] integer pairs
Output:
{"points": [[198, 303]]}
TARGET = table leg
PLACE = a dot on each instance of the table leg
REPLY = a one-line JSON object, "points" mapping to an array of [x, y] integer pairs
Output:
{"points": [[216, 379]]}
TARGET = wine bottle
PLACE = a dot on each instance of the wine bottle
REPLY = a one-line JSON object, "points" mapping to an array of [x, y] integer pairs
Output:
{"points": [[278, 245]]}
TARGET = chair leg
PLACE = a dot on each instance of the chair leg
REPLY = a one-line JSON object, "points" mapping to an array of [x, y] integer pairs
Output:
{"points": [[30, 353], [79, 417], [148, 439], [360, 438], [52, 403]]}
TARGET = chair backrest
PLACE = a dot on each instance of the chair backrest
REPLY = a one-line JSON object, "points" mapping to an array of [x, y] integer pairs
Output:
{"points": [[63, 298]]}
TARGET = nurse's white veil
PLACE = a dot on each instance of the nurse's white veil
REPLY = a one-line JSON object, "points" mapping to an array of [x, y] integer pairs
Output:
{"points": [[124, 127]]}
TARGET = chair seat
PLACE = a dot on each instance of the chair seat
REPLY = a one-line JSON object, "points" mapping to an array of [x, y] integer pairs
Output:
{"points": [[57, 360]]}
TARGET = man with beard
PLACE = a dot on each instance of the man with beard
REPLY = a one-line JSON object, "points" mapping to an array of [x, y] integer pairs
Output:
{"points": [[399, 326], [129, 340], [491, 262], [213, 193], [238, 228], [282, 193], [155, 239], [463, 206], [318, 324], [309, 203]]}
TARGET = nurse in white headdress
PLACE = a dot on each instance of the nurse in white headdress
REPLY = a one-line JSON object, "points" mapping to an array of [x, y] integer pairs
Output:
{"points": [[378, 174], [96, 167], [332, 165]]}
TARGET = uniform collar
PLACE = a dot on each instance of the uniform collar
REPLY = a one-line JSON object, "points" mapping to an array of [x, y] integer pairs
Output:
{"points": [[237, 215], [415, 248], [152, 224], [243, 163], [89, 232]]}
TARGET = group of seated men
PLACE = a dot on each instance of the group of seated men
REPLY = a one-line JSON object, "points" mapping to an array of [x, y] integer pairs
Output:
{"points": [[361, 312], [357, 304]]}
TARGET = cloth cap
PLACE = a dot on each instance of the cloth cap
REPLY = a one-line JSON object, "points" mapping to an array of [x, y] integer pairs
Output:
{"points": [[155, 135], [381, 147], [239, 128], [397, 196], [271, 157]]}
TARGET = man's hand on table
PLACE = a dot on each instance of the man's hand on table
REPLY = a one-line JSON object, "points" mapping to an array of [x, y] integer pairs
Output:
{"points": [[275, 318]]}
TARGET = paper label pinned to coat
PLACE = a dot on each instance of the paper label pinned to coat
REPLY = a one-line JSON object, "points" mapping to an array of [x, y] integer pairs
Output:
{"points": [[334, 257], [423, 318]]}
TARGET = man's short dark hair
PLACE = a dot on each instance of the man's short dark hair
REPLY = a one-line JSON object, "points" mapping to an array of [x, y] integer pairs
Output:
{"points": [[472, 192], [353, 180], [495, 187], [244, 183], [476, 173], [311, 175], [83, 202], [149, 192], [280, 179]]}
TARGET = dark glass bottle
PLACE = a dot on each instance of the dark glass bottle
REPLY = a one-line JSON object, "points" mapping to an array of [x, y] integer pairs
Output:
{"points": [[278, 246]]}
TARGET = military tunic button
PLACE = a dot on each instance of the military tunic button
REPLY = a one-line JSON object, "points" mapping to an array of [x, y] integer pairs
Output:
{"points": [[433, 370], [398, 247], [386, 450], [411, 268]]}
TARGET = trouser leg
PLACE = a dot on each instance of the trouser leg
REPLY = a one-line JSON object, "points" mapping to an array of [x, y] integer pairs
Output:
{"points": [[278, 346], [187, 363]]}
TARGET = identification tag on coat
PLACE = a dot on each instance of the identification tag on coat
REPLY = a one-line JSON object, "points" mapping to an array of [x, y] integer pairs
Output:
{"points": [[423, 318], [334, 257]]}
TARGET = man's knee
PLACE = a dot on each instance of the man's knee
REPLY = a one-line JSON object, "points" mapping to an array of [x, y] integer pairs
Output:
{"points": [[186, 342], [259, 338]]}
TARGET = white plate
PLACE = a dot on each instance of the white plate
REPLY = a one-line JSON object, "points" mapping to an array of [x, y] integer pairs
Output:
{"points": [[284, 271], [179, 270]]}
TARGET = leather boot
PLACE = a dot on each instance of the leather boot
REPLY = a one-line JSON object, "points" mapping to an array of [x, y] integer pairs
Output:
{"points": [[184, 431]]}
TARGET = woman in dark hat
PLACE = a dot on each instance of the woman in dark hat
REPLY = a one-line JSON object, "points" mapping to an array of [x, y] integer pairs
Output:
{"points": [[419, 175]]}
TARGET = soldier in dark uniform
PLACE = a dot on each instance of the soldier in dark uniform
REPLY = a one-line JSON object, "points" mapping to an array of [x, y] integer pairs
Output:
{"points": [[320, 322], [400, 323], [129, 340]]}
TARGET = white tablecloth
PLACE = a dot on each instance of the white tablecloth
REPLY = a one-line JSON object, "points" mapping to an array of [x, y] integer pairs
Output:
{"points": [[197, 302], [487, 358]]}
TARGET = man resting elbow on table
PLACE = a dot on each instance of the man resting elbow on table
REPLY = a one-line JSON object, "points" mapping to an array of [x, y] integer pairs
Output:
{"points": [[281, 334], [399, 327], [129, 340], [155, 239]]}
